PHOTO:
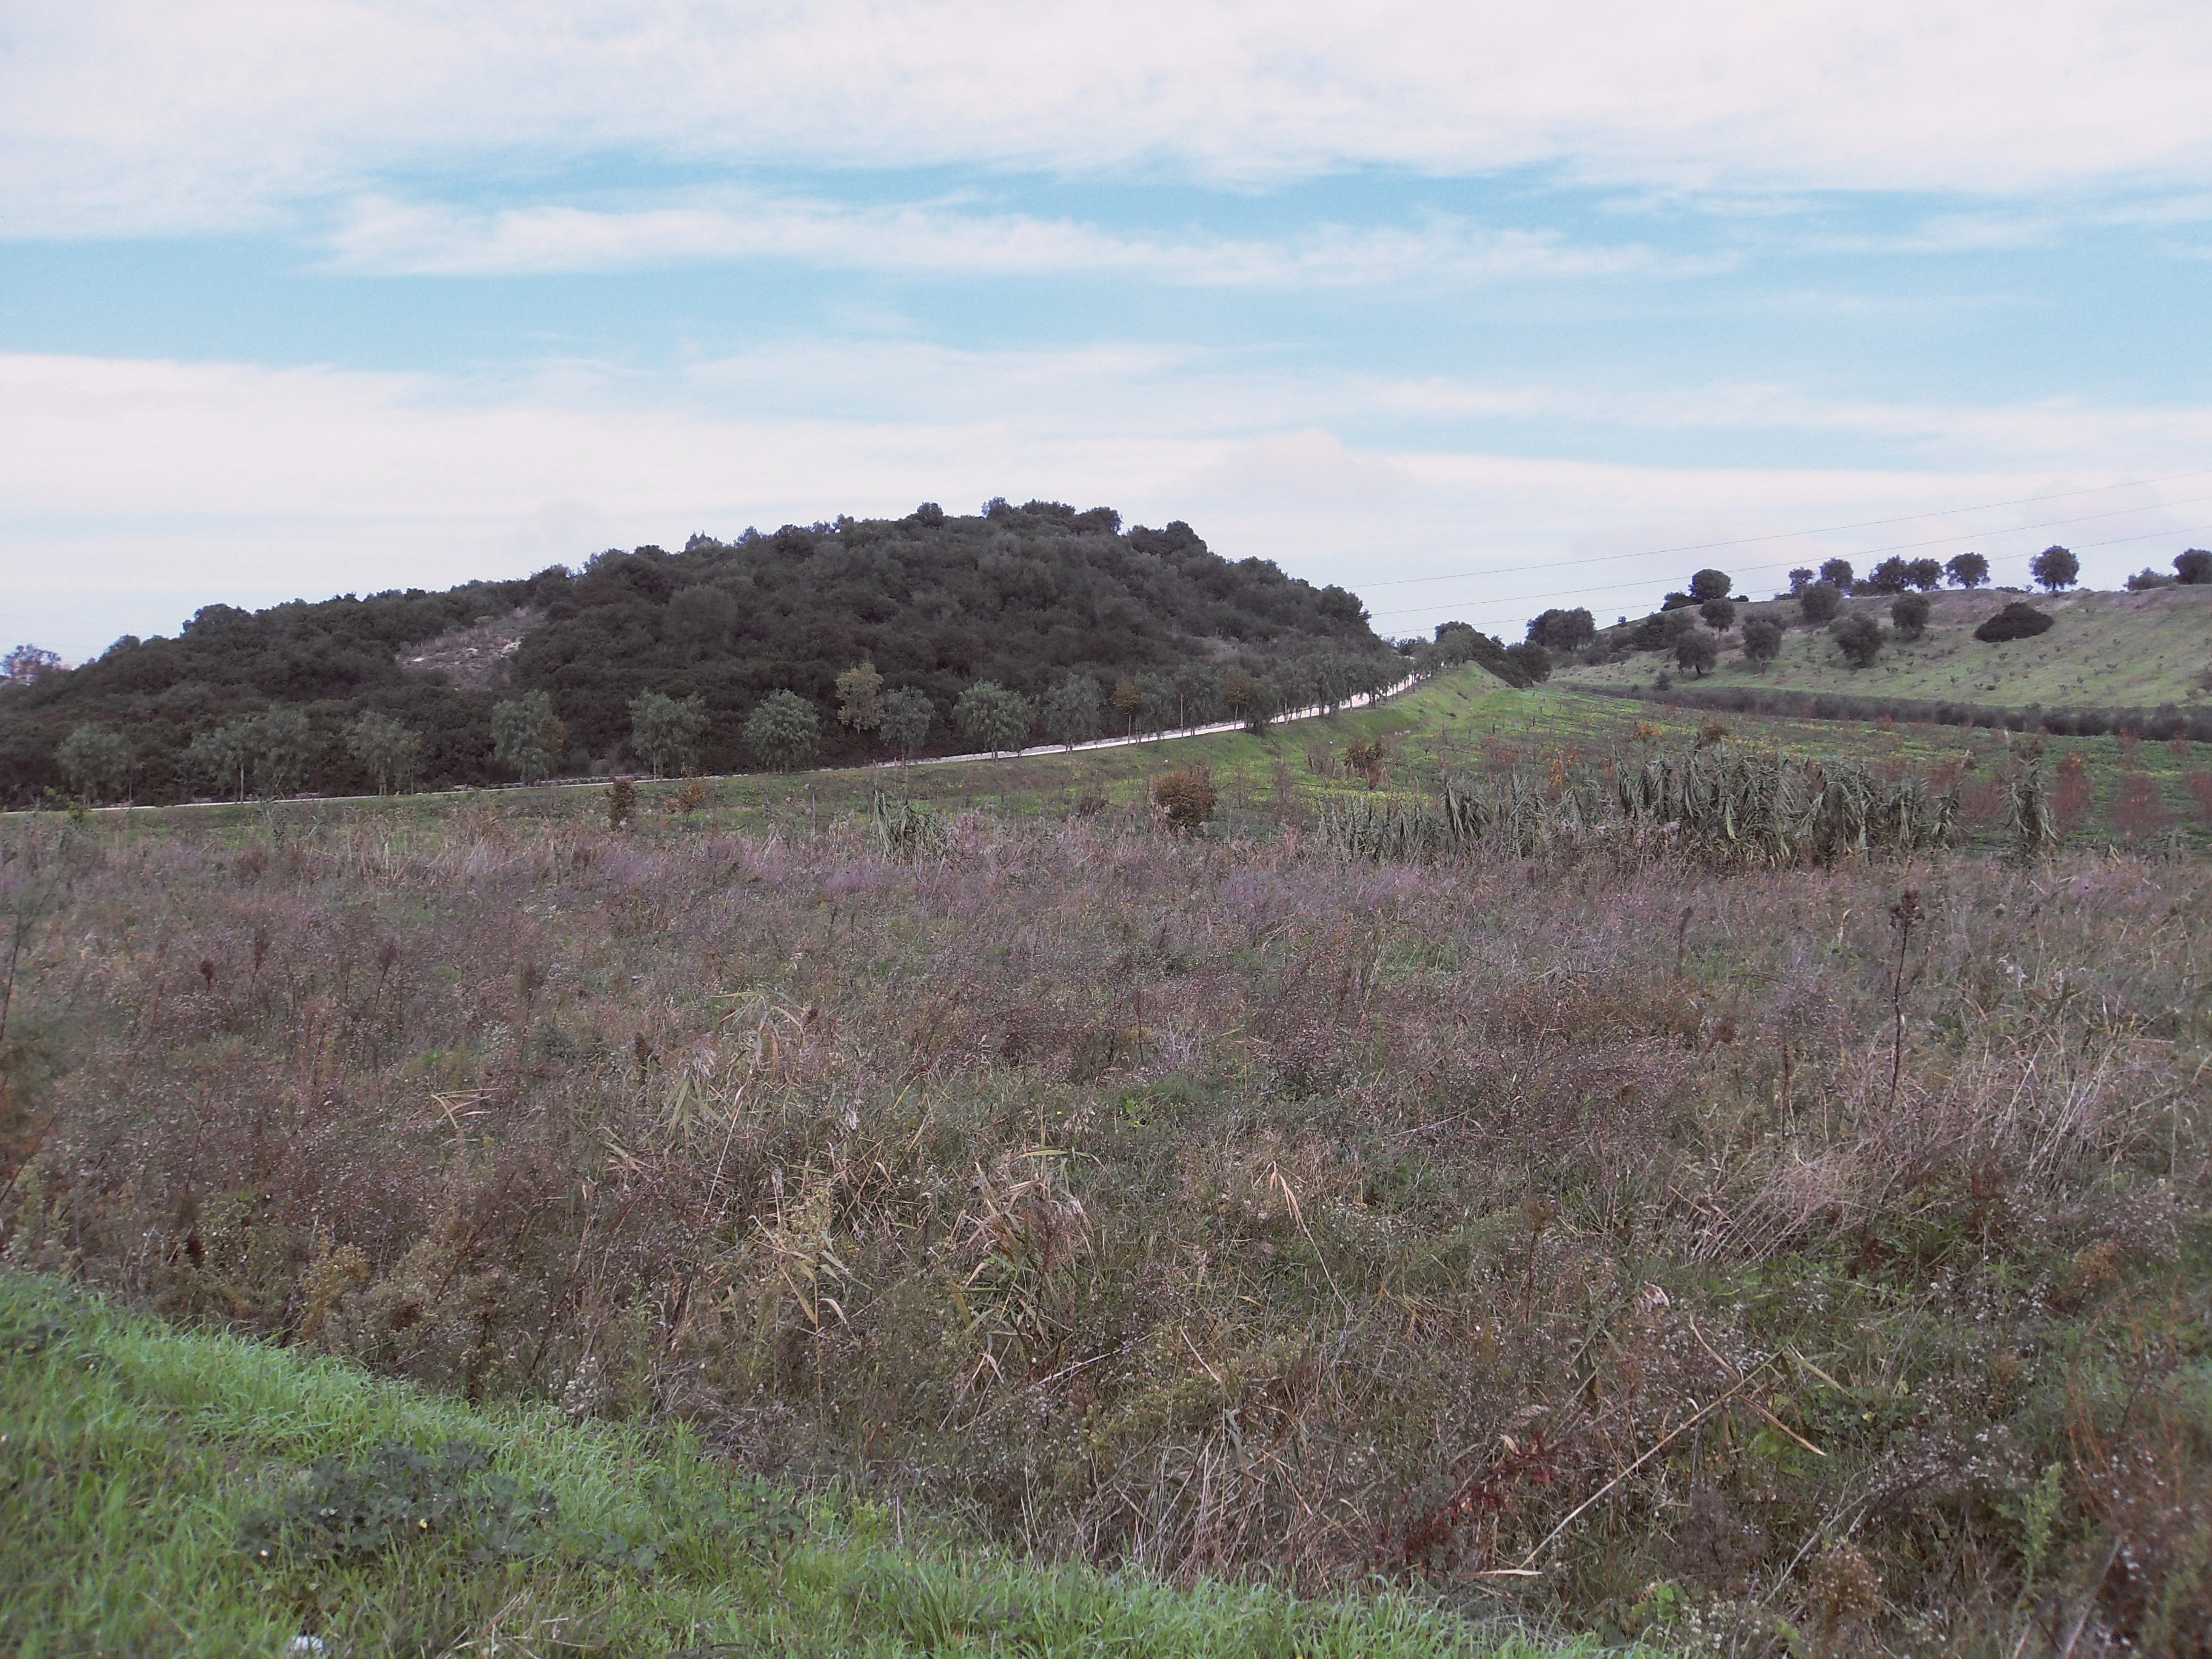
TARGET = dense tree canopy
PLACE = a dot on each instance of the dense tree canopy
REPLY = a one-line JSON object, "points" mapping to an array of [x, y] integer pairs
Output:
{"points": [[1563, 630], [1028, 596]]}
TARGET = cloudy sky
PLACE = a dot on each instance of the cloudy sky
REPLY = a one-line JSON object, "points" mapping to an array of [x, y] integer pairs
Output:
{"points": [[1475, 307]]}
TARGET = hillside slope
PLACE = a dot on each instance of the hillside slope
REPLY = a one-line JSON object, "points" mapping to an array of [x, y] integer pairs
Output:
{"points": [[2105, 650], [1026, 597]]}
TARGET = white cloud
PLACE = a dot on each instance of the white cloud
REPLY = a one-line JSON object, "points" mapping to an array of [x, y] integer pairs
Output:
{"points": [[2044, 431], [379, 234], [129, 115], [220, 482]]}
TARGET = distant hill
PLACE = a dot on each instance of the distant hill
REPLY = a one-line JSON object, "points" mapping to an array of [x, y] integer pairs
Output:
{"points": [[2104, 650], [1024, 596]]}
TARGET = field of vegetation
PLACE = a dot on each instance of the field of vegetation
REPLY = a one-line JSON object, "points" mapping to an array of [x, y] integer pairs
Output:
{"points": [[2113, 650], [1638, 1236], [2106, 791], [183, 1492]]}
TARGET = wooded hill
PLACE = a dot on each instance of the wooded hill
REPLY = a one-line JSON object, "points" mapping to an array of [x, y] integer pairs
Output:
{"points": [[1039, 599]]}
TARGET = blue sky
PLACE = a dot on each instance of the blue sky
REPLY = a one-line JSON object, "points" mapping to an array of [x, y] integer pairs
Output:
{"points": [[1471, 309]]}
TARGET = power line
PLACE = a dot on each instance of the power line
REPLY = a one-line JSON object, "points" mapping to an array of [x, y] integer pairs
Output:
{"points": [[1831, 530]]}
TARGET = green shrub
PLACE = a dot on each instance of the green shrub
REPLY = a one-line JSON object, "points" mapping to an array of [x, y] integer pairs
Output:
{"points": [[2017, 621], [1762, 639], [399, 1497], [1818, 605], [1187, 797], [1859, 638]]}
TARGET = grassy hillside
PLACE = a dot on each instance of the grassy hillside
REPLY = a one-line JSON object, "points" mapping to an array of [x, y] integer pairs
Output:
{"points": [[1603, 1236], [181, 1493], [2104, 650]]}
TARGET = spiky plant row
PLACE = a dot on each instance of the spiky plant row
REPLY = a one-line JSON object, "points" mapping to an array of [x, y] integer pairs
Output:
{"points": [[1723, 803]]}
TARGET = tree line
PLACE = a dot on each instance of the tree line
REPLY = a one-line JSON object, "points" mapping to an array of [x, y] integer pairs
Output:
{"points": [[1816, 600]]}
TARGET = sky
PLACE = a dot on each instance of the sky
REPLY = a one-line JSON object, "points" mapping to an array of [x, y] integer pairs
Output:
{"points": [[1476, 308]]}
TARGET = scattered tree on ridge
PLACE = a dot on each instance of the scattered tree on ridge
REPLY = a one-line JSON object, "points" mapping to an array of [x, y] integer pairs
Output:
{"points": [[26, 662], [1837, 574], [1895, 574], [1968, 570], [1886, 577], [2055, 567], [1719, 614], [1762, 639], [1909, 611], [2194, 568], [1708, 585]]}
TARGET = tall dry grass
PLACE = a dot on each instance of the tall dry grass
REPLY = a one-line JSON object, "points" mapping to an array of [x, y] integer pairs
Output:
{"points": [[1556, 1235]]}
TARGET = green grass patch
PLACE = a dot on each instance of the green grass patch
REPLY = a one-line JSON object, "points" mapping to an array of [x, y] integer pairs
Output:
{"points": [[171, 1492]]}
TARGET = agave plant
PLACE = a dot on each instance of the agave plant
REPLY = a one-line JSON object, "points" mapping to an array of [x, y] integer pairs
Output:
{"points": [[906, 829], [1726, 804], [2030, 819]]}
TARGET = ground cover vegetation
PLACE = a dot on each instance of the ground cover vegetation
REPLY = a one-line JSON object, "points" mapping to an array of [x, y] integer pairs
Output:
{"points": [[176, 1491], [1775, 1246], [2124, 790], [721, 657]]}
